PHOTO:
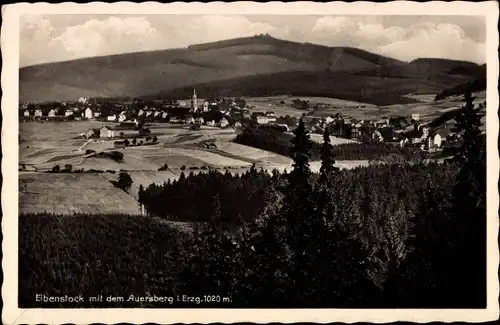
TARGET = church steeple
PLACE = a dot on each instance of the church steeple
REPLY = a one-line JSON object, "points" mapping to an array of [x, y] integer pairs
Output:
{"points": [[194, 101]]}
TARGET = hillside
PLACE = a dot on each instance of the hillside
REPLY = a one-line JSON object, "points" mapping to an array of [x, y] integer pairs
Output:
{"points": [[234, 64], [478, 83]]}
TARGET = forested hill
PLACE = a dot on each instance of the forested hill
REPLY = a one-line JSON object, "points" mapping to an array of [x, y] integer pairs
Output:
{"points": [[257, 65]]}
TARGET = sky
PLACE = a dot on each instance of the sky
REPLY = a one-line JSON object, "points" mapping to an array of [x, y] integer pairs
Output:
{"points": [[52, 38]]}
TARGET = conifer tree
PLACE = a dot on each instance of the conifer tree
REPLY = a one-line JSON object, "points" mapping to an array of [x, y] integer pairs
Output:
{"points": [[303, 227], [327, 158], [208, 266], [469, 207]]}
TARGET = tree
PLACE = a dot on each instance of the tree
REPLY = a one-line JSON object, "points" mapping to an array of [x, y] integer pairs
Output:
{"points": [[155, 139], [141, 195], [469, 207], [68, 168], [56, 169], [126, 142], [327, 158], [122, 134], [208, 266], [124, 181], [134, 141]]}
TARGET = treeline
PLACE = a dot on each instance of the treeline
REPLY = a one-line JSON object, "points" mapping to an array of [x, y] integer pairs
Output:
{"points": [[191, 198], [279, 142]]}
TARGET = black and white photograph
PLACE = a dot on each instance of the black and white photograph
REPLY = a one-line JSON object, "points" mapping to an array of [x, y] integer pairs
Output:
{"points": [[205, 156]]}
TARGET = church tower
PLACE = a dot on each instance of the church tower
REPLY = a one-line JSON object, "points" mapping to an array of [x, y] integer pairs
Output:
{"points": [[194, 102]]}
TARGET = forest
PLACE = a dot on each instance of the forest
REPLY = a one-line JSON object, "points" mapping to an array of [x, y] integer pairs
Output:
{"points": [[388, 236], [279, 142]]}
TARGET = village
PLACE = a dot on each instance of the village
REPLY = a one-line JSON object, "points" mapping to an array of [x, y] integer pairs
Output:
{"points": [[235, 113]]}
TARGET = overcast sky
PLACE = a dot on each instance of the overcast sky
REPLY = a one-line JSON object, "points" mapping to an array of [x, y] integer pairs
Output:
{"points": [[53, 38]]}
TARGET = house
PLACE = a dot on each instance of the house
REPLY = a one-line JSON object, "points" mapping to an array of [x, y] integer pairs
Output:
{"points": [[329, 120], [106, 132], [141, 112], [415, 116], [156, 113], [237, 124], [121, 118], [211, 123], [68, 113], [189, 120], [38, 112], [148, 113], [119, 144], [377, 136], [164, 115], [97, 114], [52, 113], [262, 119], [206, 105], [199, 120], [88, 113], [26, 113], [223, 122], [111, 118], [270, 114]]}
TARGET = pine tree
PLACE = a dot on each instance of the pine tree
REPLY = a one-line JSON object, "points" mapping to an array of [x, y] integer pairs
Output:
{"points": [[424, 272], [327, 158], [209, 265], [469, 208], [303, 226]]}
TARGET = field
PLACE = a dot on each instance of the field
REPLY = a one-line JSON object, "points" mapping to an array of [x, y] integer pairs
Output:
{"points": [[72, 193]]}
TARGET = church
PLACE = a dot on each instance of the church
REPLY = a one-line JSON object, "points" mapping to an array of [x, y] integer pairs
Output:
{"points": [[194, 104]]}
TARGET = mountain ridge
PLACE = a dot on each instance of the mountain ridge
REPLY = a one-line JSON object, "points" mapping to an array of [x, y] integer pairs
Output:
{"points": [[262, 58]]}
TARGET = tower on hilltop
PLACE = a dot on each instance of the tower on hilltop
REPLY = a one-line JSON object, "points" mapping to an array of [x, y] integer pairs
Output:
{"points": [[194, 102]]}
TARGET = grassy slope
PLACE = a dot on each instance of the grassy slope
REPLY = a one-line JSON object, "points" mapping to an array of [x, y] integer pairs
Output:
{"points": [[72, 193], [253, 66], [136, 74]]}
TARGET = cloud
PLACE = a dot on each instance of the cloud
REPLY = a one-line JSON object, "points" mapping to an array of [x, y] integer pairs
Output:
{"points": [[41, 42], [422, 39], [55, 38]]}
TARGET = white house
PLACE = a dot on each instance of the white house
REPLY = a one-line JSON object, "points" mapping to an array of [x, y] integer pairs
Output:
{"points": [[205, 106], [52, 113], [141, 112], [199, 120], [237, 124], [148, 113], [97, 114], [211, 123], [26, 113], [68, 113], [156, 113], [88, 113], [223, 122], [105, 132], [121, 118], [164, 115], [82, 100], [262, 119], [415, 116], [111, 118], [329, 120]]}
